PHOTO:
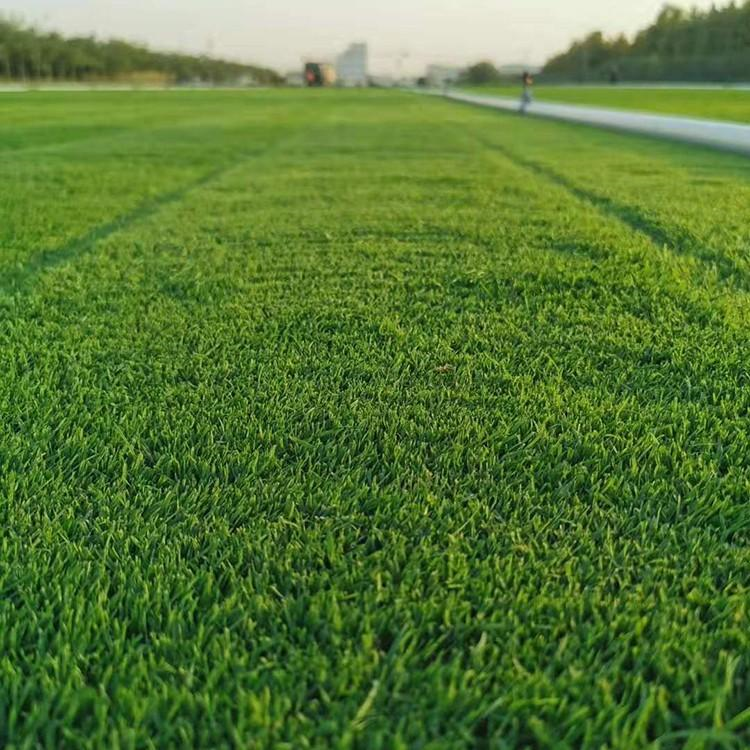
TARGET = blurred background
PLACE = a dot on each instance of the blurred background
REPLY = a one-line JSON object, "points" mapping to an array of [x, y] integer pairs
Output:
{"points": [[337, 43]]}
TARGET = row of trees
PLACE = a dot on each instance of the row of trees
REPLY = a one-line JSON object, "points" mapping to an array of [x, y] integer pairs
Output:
{"points": [[27, 54], [690, 45]]}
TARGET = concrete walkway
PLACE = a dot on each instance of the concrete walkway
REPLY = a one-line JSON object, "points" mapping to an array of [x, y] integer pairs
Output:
{"points": [[724, 135]]}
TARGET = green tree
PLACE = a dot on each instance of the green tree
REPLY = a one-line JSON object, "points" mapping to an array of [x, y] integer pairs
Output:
{"points": [[27, 54], [482, 72], [679, 45]]}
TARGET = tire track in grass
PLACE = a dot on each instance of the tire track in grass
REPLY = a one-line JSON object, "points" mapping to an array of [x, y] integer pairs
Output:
{"points": [[27, 273], [636, 220]]}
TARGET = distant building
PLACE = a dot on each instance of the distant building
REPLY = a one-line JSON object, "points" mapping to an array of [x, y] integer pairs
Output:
{"points": [[442, 75], [351, 66]]}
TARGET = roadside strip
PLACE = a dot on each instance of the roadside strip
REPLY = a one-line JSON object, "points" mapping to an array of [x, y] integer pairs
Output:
{"points": [[723, 135]]}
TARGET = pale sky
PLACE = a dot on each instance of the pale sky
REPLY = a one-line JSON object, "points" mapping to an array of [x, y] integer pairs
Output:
{"points": [[279, 33]]}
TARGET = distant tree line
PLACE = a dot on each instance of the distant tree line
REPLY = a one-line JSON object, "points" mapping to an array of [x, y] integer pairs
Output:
{"points": [[485, 72], [689, 45], [31, 55]]}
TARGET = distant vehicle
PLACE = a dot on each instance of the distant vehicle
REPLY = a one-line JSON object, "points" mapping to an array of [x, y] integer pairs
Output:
{"points": [[319, 74]]}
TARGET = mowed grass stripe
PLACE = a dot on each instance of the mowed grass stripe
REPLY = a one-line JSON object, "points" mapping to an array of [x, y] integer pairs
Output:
{"points": [[646, 200], [45, 260], [380, 441], [130, 172], [665, 197]]}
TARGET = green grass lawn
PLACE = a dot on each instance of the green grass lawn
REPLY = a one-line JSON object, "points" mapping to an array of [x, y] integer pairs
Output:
{"points": [[368, 420], [713, 104]]}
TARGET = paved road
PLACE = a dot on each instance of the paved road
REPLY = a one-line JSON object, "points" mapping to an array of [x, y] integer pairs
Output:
{"points": [[724, 135]]}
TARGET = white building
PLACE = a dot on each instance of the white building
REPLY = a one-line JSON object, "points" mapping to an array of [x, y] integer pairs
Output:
{"points": [[351, 66], [442, 75]]}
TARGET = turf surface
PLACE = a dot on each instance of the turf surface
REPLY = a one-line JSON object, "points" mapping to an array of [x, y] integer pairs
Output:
{"points": [[368, 420], [712, 104]]}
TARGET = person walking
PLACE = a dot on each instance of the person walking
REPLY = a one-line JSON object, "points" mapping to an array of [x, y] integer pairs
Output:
{"points": [[526, 97]]}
